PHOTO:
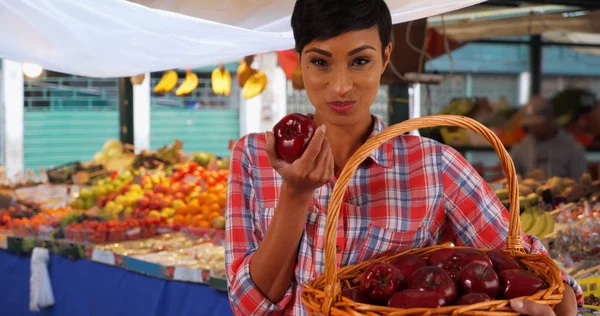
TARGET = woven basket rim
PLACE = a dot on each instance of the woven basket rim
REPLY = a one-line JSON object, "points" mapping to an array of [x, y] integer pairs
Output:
{"points": [[323, 295]]}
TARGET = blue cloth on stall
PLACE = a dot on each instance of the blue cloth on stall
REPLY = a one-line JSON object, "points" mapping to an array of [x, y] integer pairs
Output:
{"points": [[86, 288]]}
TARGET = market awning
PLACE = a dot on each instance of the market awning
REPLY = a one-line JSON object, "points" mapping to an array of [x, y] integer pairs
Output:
{"points": [[469, 30], [575, 37], [115, 38]]}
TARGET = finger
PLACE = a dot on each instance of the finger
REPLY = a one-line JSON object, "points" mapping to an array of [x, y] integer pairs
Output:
{"points": [[330, 166], [531, 308], [319, 161], [274, 160], [313, 148]]}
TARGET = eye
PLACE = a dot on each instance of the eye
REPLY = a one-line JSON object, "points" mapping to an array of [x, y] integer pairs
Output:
{"points": [[319, 62], [360, 61]]}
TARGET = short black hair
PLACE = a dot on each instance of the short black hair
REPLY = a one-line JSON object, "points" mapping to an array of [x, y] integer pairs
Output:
{"points": [[324, 19]]}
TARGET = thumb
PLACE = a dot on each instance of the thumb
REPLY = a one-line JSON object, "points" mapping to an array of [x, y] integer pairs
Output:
{"points": [[531, 308], [274, 159]]}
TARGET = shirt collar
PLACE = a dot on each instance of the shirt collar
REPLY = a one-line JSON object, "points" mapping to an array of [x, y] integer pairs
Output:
{"points": [[383, 155]]}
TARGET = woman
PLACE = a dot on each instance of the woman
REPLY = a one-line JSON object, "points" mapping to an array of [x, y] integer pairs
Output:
{"points": [[411, 192]]}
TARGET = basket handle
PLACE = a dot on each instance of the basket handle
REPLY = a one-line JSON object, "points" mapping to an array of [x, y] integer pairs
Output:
{"points": [[514, 243]]}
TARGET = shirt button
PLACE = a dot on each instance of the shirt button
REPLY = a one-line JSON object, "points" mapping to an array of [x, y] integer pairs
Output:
{"points": [[338, 249]]}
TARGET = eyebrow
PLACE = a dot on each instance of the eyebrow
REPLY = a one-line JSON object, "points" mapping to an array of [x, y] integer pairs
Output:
{"points": [[319, 51], [350, 53], [360, 49]]}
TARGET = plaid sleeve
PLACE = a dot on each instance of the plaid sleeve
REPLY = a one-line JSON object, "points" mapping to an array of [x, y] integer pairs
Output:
{"points": [[476, 217], [243, 238]]}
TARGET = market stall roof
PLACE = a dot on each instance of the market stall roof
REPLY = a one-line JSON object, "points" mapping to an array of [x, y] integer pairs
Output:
{"points": [[469, 30], [115, 38], [576, 38]]}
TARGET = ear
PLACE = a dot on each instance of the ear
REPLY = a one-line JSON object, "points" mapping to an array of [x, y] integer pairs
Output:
{"points": [[387, 54]]}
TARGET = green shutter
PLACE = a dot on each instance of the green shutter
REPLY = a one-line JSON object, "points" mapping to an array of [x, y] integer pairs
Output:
{"points": [[200, 130], [202, 120], [55, 137], [67, 118]]}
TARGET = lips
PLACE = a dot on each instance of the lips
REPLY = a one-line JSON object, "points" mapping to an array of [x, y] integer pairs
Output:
{"points": [[341, 106]]}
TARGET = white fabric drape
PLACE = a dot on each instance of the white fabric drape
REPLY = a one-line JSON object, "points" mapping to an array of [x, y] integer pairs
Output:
{"points": [[116, 38]]}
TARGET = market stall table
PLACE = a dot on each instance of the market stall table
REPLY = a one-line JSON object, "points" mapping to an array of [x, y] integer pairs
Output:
{"points": [[84, 287]]}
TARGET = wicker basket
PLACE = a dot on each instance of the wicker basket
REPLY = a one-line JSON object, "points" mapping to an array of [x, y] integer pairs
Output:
{"points": [[323, 295]]}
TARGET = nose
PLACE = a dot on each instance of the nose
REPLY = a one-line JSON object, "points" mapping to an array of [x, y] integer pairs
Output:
{"points": [[341, 81]]}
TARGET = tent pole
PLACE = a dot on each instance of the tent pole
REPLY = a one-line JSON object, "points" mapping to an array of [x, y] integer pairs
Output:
{"points": [[126, 111], [535, 64], [398, 108]]}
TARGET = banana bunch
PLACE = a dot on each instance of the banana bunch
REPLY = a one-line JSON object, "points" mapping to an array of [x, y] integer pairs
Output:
{"points": [[137, 79], [221, 81], [537, 223], [255, 85], [188, 85], [243, 73], [167, 82]]}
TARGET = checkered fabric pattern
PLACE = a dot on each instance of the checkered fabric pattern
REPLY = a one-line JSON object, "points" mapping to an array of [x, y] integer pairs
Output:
{"points": [[412, 192]]}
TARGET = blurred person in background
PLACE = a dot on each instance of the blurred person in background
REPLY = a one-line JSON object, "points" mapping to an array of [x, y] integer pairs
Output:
{"points": [[582, 110], [547, 146]]}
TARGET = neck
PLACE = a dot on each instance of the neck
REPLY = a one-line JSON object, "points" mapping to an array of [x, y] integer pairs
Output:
{"points": [[346, 139]]}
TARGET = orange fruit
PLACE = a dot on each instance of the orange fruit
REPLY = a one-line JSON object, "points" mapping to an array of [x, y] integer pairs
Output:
{"points": [[214, 207], [194, 206], [188, 219], [213, 215], [179, 219], [182, 209], [203, 224], [205, 210], [222, 200], [197, 219]]}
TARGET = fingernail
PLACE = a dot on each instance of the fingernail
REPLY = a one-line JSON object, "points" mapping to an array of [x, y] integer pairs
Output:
{"points": [[516, 303], [323, 128], [266, 135]]}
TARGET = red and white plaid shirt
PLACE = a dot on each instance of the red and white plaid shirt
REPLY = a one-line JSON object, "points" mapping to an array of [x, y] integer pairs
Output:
{"points": [[412, 192]]}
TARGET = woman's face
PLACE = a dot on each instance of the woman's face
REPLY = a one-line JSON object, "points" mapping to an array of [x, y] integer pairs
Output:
{"points": [[342, 74]]}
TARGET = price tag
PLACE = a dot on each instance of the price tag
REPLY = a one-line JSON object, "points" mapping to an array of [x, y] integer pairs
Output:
{"points": [[134, 231], [190, 178], [187, 274], [102, 256]]}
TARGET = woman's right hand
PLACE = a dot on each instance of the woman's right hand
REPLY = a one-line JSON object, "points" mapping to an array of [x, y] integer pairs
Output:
{"points": [[309, 172]]}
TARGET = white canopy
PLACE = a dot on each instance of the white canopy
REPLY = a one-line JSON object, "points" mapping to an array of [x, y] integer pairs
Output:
{"points": [[117, 38]]}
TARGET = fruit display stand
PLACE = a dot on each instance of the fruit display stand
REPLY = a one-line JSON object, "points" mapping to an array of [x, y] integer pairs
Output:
{"points": [[158, 221]]}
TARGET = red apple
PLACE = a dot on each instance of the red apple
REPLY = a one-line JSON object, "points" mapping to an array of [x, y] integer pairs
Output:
{"points": [[453, 260], [149, 194], [380, 281], [476, 277], [416, 299], [179, 196], [185, 189], [472, 298], [517, 283], [502, 261], [143, 203], [292, 135], [408, 264], [161, 188], [155, 204], [174, 187], [435, 279], [356, 295]]}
